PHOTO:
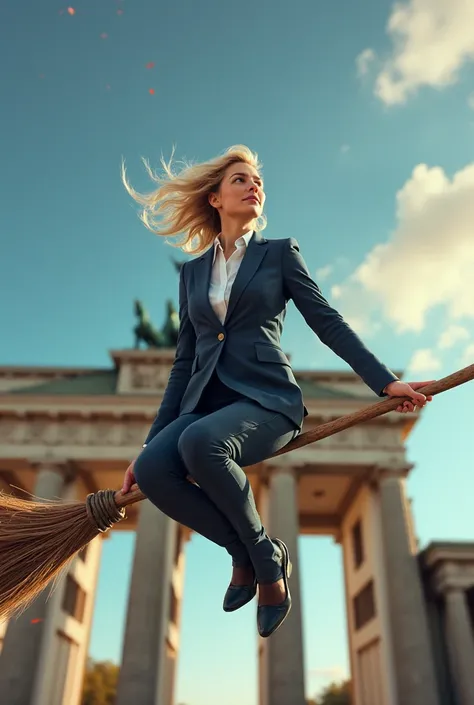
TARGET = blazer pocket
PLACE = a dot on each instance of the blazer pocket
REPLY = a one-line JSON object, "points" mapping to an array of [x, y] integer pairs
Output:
{"points": [[269, 353]]}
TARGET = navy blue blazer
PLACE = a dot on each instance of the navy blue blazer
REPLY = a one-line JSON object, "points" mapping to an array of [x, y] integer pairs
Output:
{"points": [[245, 350]]}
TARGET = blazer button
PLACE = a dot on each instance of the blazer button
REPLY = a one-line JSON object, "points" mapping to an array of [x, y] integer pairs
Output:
{"points": [[220, 336]]}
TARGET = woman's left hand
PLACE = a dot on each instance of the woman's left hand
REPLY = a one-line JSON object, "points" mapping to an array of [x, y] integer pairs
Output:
{"points": [[408, 389]]}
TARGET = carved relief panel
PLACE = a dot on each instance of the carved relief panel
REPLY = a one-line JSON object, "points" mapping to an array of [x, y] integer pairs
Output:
{"points": [[72, 432], [149, 377]]}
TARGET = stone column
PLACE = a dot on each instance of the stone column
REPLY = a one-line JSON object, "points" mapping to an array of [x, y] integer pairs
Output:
{"points": [[24, 636], [414, 664], [143, 656], [168, 682], [460, 641], [281, 655]]}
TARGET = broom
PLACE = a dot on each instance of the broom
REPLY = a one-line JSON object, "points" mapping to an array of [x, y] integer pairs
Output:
{"points": [[38, 539]]}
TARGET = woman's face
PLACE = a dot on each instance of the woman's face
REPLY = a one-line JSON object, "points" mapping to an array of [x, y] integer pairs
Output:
{"points": [[240, 193]]}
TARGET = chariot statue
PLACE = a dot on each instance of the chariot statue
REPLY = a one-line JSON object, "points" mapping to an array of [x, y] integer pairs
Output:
{"points": [[145, 332]]}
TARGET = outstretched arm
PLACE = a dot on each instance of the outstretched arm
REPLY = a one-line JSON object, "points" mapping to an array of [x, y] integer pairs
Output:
{"points": [[181, 370], [328, 324]]}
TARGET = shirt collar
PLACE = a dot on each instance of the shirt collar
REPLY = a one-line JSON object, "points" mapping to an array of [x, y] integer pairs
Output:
{"points": [[242, 241]]}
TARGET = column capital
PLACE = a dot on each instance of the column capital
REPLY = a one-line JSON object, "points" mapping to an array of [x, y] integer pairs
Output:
{"points": [[62, 466], [273, 468], [447, 579], [396, 470]]}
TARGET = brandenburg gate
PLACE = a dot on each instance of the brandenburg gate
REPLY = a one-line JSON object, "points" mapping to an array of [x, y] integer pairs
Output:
{"points": [[66, 432]]}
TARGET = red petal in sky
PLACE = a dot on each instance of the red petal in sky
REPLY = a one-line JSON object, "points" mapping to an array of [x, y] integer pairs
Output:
{"points": [[151, 91], [104, 35], [150, 64], [119, 12], [71, 11]]}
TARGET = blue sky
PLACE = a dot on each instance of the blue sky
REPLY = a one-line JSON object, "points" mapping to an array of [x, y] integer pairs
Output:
{"points": [[344, 114]]}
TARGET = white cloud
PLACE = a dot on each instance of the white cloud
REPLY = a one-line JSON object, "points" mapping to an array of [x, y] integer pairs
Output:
{"points": [[361, 325], [468, 356], [423, 360], [470, 101], [427, 262], [324, 272], [452, 335], [431, 41], [364, 60]]}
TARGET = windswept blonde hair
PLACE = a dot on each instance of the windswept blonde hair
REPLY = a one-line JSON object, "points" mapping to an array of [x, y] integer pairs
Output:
{"points": [[180, 205]]}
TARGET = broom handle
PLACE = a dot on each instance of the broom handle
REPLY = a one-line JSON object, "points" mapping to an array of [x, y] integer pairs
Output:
{"points": [[340, 424]]}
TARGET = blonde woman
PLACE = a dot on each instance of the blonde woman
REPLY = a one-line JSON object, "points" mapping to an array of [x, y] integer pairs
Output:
{"points": [[232, 398]]}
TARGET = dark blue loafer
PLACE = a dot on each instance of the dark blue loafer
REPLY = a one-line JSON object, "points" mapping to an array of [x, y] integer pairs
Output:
{"points": [[239, 595], [270, 617]]}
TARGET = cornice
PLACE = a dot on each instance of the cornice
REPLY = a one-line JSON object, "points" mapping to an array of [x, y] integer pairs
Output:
{"points": [[54, 406]]}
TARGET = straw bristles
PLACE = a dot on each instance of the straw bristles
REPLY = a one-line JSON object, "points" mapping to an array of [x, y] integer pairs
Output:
{"points": [[38, 540]]}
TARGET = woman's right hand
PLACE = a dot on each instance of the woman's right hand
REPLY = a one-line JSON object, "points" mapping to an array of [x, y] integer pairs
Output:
{"points": [[129, 478]]}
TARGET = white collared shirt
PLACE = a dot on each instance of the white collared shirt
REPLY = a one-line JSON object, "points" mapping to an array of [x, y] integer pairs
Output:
{"points": [[223, 274]]}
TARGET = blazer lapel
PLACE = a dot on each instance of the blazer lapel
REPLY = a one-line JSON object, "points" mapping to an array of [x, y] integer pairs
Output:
{"points": [[256, 251], [202, 283]]}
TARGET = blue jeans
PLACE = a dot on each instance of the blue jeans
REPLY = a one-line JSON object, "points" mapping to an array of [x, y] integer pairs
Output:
{"points": [[211, 446]]}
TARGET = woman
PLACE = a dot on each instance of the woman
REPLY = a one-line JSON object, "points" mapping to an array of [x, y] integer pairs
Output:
{"points": [[232, 399]]}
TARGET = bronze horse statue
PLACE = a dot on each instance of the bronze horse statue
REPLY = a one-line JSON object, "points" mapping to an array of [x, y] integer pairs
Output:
{"points": [[145, 331]]}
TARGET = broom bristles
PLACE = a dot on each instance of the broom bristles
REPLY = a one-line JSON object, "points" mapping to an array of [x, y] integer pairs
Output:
{"points": [[38, 540]]}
